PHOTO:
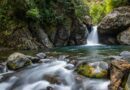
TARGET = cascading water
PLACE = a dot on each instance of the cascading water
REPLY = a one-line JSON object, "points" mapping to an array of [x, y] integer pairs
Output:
{"points": [[93, 37], [34, 79]]}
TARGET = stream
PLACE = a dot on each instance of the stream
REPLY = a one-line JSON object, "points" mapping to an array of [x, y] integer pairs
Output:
{"points": [[40, 76]]}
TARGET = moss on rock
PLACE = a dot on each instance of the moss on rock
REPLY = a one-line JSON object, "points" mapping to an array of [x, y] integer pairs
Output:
{"points": [[89, 71]]}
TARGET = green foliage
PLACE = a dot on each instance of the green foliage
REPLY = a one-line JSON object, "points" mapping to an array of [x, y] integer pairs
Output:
{"points": [[33, 13], [81, 11], [108, 6], [99, 8], [111, 4], [96, 12]]}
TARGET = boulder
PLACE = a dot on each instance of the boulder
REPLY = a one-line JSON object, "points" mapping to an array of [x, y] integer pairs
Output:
{"points": [[41, 55], [93, 70], [113, 24], [125, 54], [119, 73], [18, 60], [124, 37]]}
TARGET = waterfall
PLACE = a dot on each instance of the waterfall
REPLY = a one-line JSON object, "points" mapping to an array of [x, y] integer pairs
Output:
{"points": [[93, 37]]}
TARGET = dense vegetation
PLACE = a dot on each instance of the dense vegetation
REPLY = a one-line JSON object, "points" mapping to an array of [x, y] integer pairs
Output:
{"points": [[28, 16], [99, 8], [48, 14]]}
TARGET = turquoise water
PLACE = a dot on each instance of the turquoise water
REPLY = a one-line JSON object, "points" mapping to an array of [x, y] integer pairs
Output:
{"points": [[91, 53]]}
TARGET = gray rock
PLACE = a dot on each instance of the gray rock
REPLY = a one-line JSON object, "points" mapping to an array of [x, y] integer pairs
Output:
{"points": [[3, 68], [41, 55], [78, 35], [124, 37], [46, 60], [125, 54], [33, 59], [70, 66], [104, 65], [63, 57], [113, 24], [18, 60], [115, 57], [43, 37]]}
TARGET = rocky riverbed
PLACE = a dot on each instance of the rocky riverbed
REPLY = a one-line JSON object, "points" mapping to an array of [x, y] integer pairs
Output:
{"points": [[48, 71]]}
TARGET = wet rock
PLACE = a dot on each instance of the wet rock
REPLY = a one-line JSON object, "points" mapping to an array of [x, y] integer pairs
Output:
{"points": [[93, 70], [18, 60], [74, 62], [113, 24], [70, 66], [49, 88], [88, 22], [34, 59], [1, 78], [63, 57], [3, 68], [41, 55], [125, 54], [52, 79], [119, 72], [115, 57], [46, 60], [78, 35]]}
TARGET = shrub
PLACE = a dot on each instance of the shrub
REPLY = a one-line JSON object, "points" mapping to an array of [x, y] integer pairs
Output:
{"points": [[33, 13]]}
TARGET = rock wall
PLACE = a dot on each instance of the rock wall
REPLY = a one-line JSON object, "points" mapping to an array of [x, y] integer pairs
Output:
{"points": [[30, 24]]}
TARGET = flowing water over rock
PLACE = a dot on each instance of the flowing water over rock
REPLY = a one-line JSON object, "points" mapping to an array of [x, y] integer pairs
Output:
{"points": [[57, 74], [33, 79], [93, 37]]}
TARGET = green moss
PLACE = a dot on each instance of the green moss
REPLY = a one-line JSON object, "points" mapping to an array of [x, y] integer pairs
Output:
{"points": [[29, 62], [88, 71], [11, 65]]}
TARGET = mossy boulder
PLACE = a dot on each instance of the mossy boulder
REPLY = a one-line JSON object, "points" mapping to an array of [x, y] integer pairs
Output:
{"points": [[18, 60], [93, 70]]}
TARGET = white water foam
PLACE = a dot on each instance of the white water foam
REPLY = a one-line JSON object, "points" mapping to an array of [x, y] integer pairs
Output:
{"points": [[92, 39]]}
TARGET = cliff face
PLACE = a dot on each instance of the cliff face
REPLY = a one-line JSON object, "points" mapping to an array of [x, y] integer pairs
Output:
{"points": [[33, 24], [114, 28]]}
